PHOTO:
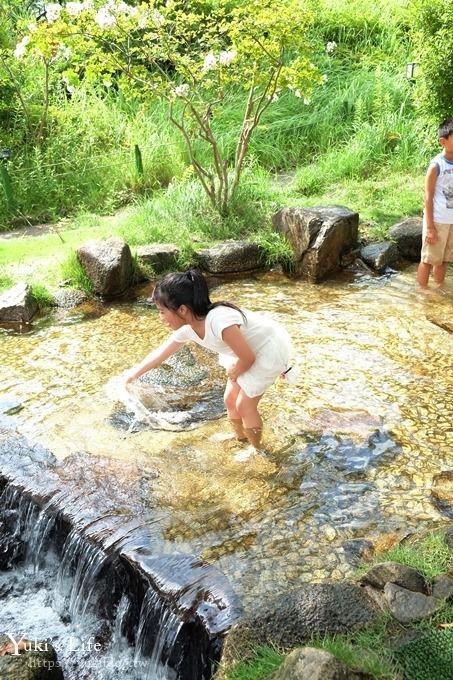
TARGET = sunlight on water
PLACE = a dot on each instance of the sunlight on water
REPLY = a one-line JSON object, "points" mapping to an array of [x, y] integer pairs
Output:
{"points": [[353, 446]]}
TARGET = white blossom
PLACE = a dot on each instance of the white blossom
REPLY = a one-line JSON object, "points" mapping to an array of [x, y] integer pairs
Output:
{"points": [[210, 62], [324, 78], [158, 18], [307, 101], [331, 45], [297, 93], [21, 47], [104, 18], [64, 51], [181, 90], [74, 9], [226, 57], [53, 11]]}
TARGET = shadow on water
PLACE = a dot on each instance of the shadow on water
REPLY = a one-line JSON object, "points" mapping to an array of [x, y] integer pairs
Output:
{"points": [[353, 449]]}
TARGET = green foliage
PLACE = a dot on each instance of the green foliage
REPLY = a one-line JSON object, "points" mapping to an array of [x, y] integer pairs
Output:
{"points": [[6, 280], [265, 660], [42, 295], [433, 45], [429, 657], [182, 214], [72, 270], [188, 56], [430, 555]]}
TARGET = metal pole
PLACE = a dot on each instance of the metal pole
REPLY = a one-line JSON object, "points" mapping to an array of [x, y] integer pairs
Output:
{"points": [[6, 181]]}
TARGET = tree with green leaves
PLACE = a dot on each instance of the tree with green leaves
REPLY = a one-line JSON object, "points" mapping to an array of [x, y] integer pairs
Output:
{"points": [[190, 53]]}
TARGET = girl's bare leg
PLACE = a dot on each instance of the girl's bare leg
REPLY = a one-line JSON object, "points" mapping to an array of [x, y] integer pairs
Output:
{"points": [[247, 408], [230, 397]]}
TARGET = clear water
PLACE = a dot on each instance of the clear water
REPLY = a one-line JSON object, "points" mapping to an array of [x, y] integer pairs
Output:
{"points": [[353, 446]]}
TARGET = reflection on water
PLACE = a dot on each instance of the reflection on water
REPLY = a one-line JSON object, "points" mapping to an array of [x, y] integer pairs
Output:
{"points": [[353, 446]]}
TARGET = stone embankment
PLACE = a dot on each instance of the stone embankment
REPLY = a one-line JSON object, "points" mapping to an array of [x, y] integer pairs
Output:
{"points": [[323, 240]]}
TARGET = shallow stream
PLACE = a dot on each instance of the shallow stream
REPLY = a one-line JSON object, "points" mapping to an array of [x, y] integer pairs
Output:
{"points": [[352, 448]]}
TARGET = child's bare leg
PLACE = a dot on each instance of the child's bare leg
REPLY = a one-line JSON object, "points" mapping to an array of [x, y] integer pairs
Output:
{"points": [[439, 272], [253, 424], [423, 272], [230, 397]]}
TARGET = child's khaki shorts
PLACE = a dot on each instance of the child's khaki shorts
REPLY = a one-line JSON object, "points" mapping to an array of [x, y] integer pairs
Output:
{"points": [[442, 250]]}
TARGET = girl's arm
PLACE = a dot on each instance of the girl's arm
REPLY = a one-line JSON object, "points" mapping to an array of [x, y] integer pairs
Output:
{"points": [[233, 337], [154, 359]]}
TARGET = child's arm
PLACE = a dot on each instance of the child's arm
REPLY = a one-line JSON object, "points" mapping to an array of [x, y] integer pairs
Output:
{"points": [[233, 337], [154, 359], [430, 185]]}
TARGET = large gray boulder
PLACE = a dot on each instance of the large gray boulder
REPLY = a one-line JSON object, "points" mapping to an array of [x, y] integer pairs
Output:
{"points": [[294, 617], [160, 257], [309, 663], [108, 265], [408, 237], [17, 304], [318, 236], [230, 257]]}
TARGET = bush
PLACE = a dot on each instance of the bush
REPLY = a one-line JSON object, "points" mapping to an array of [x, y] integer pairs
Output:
{"points": [[433, 41]]}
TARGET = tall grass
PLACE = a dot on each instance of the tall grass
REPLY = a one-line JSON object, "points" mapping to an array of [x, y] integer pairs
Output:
{"points": [[359, 126]]}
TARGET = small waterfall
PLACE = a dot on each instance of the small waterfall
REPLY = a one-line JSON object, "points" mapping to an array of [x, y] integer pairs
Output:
{"points": [[152, 616], [43, 528], [88, 561], [160, 625]]}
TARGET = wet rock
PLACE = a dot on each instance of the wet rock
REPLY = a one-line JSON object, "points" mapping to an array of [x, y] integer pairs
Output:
{"points": [[67, 298], [231, 256], [315, 664], [379, 255], [357, 550], [17, 304], [406, 605], [312, 609], [108, 265], [160, 258], [408, 238], [12, 548], [179, 395], [442, 492], [318, 236], [399, 574], [28, 660], [442, 587]]}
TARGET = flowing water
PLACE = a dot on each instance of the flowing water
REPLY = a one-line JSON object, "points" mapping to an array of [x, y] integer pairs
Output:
{"points": [[353, 447]]}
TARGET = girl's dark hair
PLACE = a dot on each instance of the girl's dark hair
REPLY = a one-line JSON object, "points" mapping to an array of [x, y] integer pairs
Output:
{"points": [[187, 288]]}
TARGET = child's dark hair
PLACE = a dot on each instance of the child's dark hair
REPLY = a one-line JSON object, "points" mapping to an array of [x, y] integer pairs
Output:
{"points": [[445, 128], [187, 288]]}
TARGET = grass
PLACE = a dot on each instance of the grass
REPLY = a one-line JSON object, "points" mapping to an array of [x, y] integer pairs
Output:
{"points": [[266, 660], [430, 555]]}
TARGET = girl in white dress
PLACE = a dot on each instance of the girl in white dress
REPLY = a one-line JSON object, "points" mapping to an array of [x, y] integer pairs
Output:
{"points": [[252, 348]]}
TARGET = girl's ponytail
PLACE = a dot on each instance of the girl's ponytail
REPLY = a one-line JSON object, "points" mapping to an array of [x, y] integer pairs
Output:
{"points": [[187, 288]]}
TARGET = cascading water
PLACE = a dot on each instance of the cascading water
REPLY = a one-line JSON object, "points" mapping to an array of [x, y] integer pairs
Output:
{"points": [[110, 607]]}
